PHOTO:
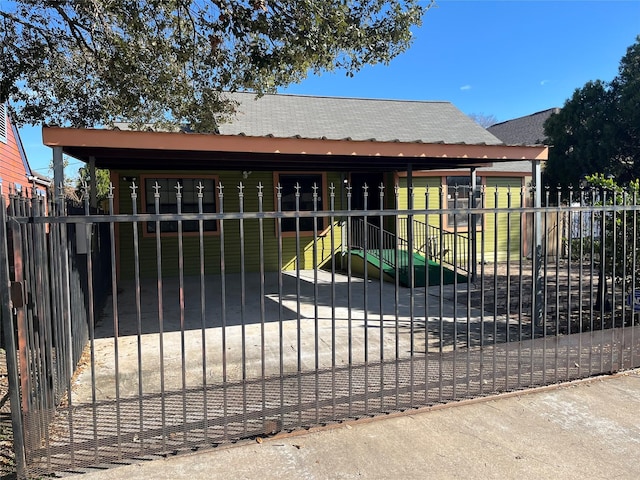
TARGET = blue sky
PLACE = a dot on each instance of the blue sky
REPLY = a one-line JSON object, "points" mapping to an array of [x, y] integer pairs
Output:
{"points": [[505, 58]]}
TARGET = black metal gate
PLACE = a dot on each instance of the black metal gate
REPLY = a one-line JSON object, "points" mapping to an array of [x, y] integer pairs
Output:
{"points": [[106, 369]]}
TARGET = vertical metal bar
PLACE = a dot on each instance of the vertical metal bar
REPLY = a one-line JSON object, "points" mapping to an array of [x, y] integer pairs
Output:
{"points": [[411, 272], [42, 311], [473, 244], [441, 298], [243, 301], [68, 325], [349, 301], [602, 281], [203, 314], [396, 301], [40, 327], [482, 292], [471, 274], [507, 327], [557, 276], [115, 319], [545, 312], [263, 357], [21, 322], [456, 260], [426, 295], [495, 288], [624, 288], [580, 282], [223, 319], [183, 343], [280, 299], [37, 413], [634, 266], [136, 266], [332, 206], [57, 296], [569, 286], [592, 223], [614, 242], [365, 250], [382, 255], [537, 302], [298, 306], [26, 327], [316, 325], [89, 227], [160, 295], [57, 316], [10, 345]]}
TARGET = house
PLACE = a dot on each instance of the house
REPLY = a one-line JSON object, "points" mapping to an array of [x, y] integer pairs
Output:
{"points": [[15, 172], [527, 130], [504, 184], [337, 144]]}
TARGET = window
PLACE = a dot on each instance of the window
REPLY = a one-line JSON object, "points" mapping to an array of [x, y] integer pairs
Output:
{"points": [[458, 195], [306, 181], [4, 123], [168, 202]]}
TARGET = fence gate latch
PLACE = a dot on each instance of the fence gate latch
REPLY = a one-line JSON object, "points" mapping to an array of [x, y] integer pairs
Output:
{"points": [[17, 295]]}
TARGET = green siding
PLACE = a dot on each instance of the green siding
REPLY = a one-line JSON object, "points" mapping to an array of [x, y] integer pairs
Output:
{"points": [[500, 235], [231, 228], [502, 230]]}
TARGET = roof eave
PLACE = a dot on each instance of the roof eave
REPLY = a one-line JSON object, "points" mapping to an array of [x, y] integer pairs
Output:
{"points": [[93, 140]]}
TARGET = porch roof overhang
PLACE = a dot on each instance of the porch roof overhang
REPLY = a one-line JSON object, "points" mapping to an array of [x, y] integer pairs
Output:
{"points": [[142, 150]]}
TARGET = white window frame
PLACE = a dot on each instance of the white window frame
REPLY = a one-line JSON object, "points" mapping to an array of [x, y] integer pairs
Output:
{"points": [[147, 199], [4, 123]]}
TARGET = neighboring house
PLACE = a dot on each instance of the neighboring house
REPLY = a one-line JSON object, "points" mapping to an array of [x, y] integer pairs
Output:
{"points": [[15, 173], [281, 140], [527, 130]]}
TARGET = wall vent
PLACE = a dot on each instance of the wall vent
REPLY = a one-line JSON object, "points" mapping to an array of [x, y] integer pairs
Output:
{"points": [[4, 123]]}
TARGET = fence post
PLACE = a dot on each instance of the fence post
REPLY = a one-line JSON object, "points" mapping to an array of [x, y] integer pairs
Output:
{"points": [[10, 345], [537, 300]]}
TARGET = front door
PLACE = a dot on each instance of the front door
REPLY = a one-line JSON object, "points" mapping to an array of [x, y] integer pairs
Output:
{"points": [[373, 181]]}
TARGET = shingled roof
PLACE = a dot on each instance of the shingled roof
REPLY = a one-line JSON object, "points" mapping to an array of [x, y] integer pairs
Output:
{"points": [[527, 130], [297, 132], [335, 118]]}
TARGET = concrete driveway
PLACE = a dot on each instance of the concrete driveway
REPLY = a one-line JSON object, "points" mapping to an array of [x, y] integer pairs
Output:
{"points": [[316, 321]]}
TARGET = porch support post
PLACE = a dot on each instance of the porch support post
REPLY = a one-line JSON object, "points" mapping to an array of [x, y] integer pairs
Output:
{"points": [[58, 173], [409, 186], [410, 230], [473, 260], [93, 184], [537, 303]]}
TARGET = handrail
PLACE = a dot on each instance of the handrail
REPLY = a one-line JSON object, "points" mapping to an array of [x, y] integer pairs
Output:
{"points": [[367, 237], [446, 247]]}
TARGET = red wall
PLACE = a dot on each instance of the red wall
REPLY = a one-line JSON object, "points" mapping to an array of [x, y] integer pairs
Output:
{"points": [[12, 168]]}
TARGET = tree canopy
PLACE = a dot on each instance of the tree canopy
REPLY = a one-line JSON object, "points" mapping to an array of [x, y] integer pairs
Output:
{"points": [[93, 62], [483, 119], [598, 129]]}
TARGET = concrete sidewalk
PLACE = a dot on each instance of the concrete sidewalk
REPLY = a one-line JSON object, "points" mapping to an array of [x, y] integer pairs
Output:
{"points": [[583, 430]]}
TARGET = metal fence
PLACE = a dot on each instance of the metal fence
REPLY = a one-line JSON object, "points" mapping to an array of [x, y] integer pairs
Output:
{"points": [[172, 363]]}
